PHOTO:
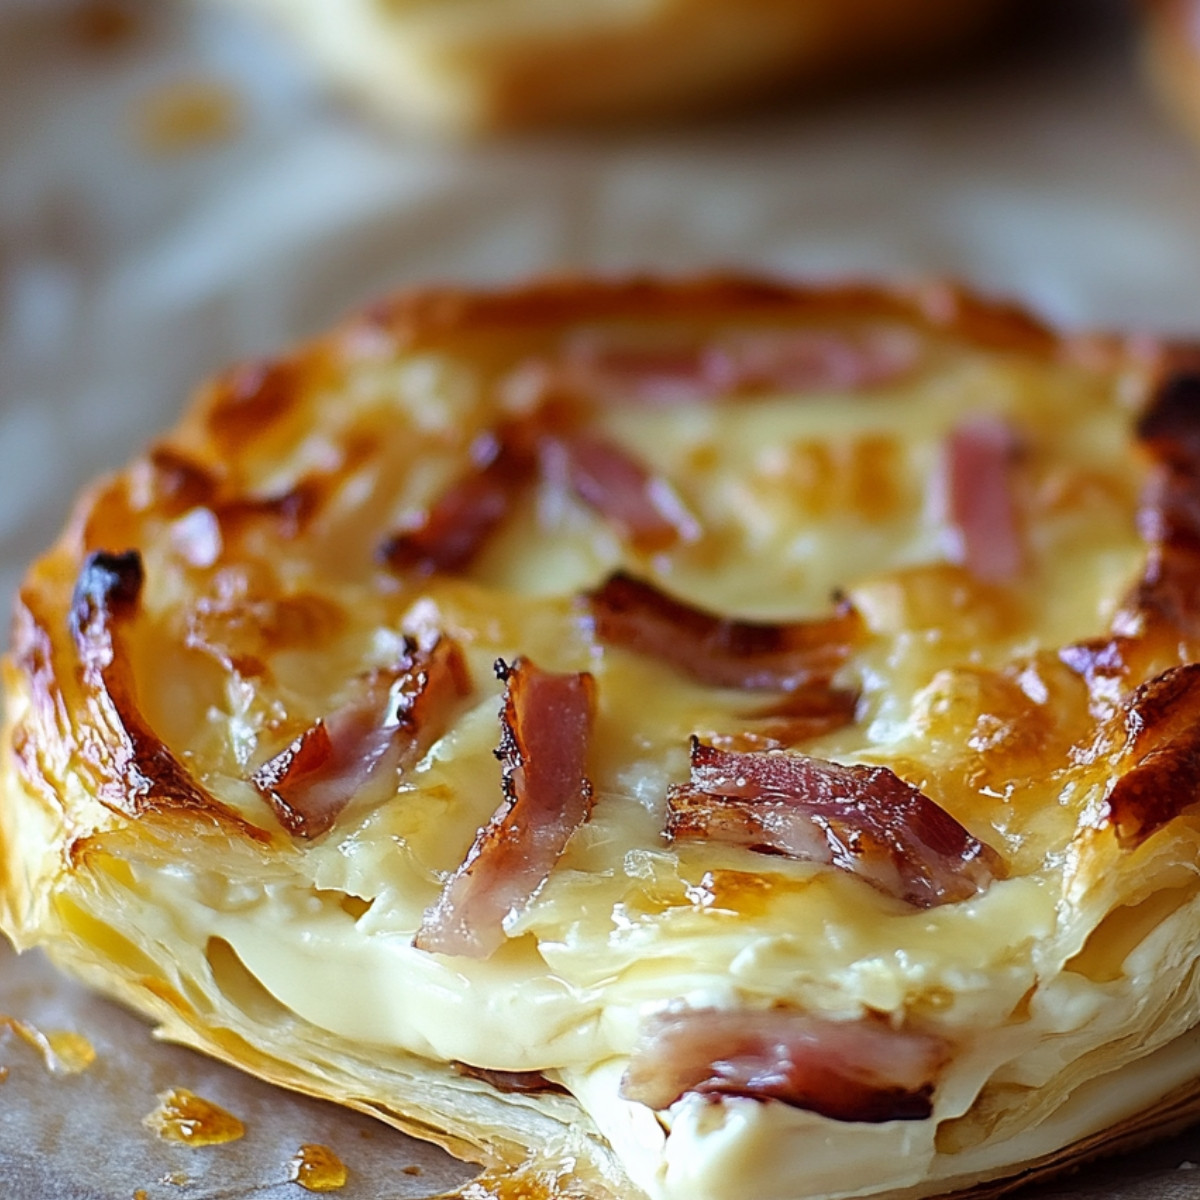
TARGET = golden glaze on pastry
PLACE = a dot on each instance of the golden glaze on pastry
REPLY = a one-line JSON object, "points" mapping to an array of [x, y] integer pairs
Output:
{"points": [[726, 737]]}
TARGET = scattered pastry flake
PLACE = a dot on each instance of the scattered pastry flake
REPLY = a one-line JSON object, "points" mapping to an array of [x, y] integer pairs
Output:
{"points": [[317, 1168], [188, 115], [413, 1170], [141, 1194], [63, 1052], [182, 1116]]}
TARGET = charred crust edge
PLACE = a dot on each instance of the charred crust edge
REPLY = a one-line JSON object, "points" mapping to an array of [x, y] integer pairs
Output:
{"points": [[109, 586]]}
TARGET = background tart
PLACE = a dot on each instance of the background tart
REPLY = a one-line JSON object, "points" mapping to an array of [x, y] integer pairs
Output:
{"points": [[466, 66]]}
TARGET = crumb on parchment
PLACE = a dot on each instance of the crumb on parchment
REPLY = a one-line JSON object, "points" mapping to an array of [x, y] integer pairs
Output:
{"points": [[187, 115]]}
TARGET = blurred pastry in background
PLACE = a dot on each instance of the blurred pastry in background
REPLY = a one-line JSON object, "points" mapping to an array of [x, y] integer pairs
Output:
{"points": [[481, 66], [1172, 54]]}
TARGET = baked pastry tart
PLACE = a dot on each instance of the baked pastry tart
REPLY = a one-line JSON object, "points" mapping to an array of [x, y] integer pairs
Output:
{"points": [[698, 739], [1171, 50], [479, 66]]}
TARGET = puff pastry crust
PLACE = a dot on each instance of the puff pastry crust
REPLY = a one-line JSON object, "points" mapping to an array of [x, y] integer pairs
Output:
{"points": [[481, 66], [694, 739]]}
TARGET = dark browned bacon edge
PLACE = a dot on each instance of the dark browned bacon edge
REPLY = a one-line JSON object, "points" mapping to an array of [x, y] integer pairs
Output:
{"points": [[980, 454], [1155, 739], [136, 772], [546, 726], [859, 1070], [392, 720], [863, 820], [715, 650], [604, 475]]}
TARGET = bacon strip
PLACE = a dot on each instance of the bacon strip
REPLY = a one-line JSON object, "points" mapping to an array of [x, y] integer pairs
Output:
{"points": [[604, 366], [609, 366], [459, 524], [810, 360], [980, 455], [607, 477], [861, 1070], [863, 820], [396, 716], [715, 650], [643, 506], [545, 731]]}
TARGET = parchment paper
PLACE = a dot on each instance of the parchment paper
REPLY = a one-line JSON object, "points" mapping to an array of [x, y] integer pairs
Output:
{"points": [[178, 194]]}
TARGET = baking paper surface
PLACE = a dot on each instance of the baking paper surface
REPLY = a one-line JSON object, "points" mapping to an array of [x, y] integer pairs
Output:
{"points": [[178, 195]]}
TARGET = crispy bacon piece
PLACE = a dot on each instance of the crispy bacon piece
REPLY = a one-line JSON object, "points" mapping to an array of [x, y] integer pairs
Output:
{"points": [[458, 525], [606, 477], [609, 366], [715, 650], [545, 731], [864, 820], [979, 458], [860, 1070], [396, 716], [136, 771], [1155, 737]]}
